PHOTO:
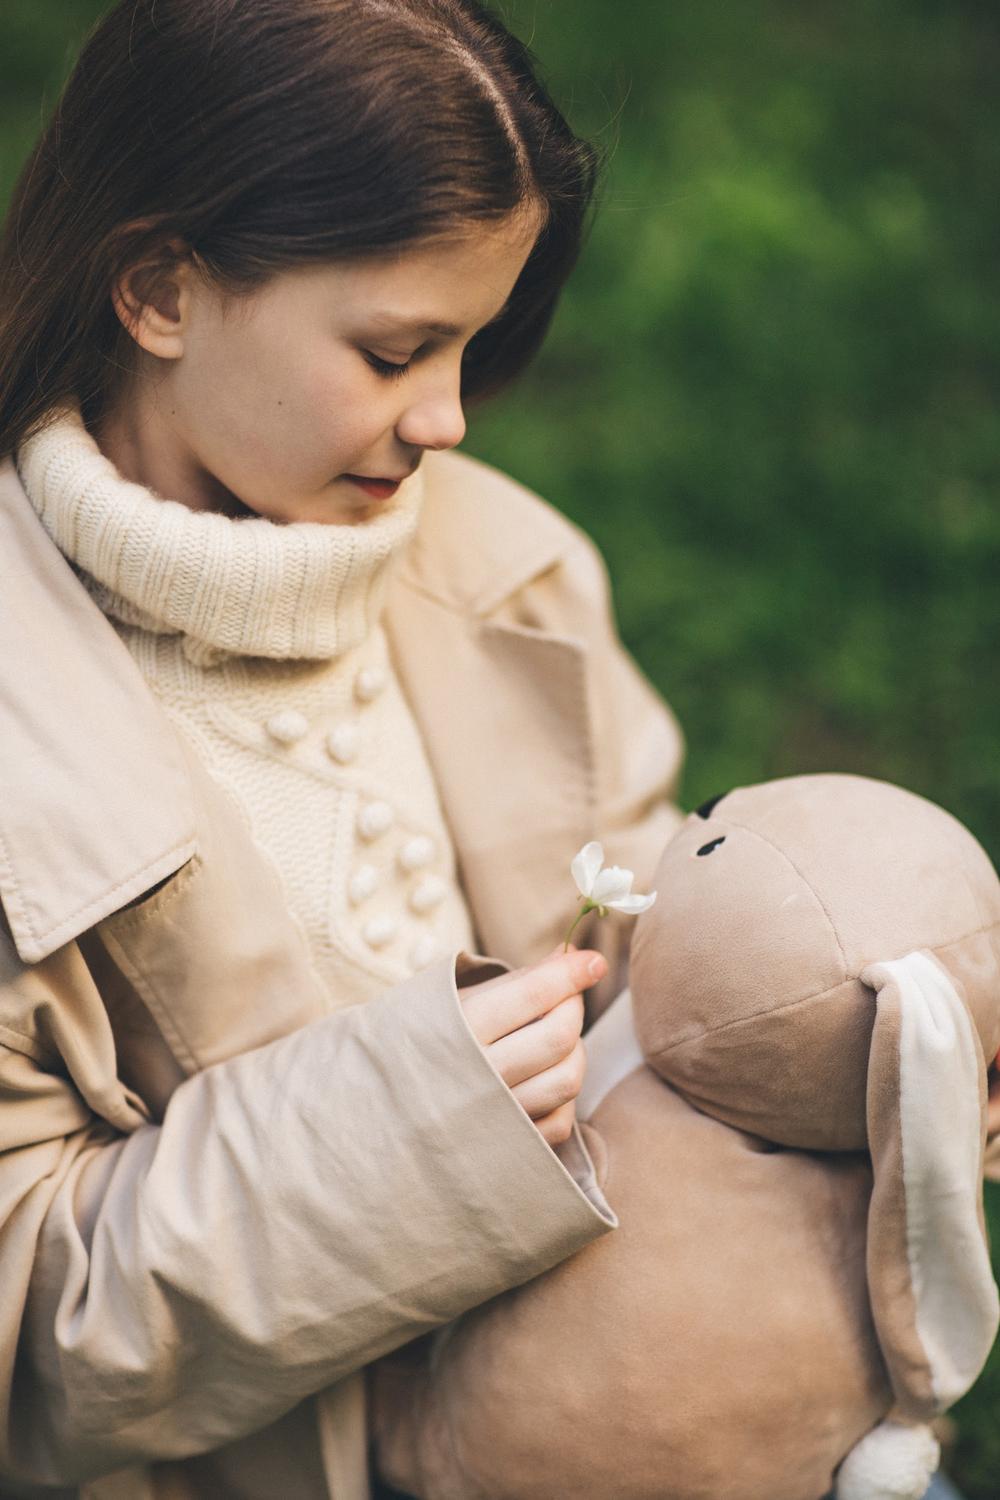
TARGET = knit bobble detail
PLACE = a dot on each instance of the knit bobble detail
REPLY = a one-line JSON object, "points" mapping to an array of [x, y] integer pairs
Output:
{"points": [[342, 743], [288, 727], [416, 853], [374, 819], [369, 682], [380, 930], [362, 884], [427, 894]]}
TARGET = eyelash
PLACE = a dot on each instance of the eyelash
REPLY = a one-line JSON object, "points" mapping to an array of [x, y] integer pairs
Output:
{"points": [[384, 369]]}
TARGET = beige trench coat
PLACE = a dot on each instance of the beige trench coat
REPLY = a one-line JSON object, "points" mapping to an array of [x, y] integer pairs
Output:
{"points": [[220, 1195]]}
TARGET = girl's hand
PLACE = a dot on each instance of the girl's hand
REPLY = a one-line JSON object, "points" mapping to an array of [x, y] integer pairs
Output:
{"points": [[529, 1023]]}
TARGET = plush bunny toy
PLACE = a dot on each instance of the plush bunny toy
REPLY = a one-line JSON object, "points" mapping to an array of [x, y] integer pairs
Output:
{"points": [[791, 1132]]}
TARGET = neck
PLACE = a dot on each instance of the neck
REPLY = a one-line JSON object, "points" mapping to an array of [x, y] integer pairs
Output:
{"points": [[143, 449]]}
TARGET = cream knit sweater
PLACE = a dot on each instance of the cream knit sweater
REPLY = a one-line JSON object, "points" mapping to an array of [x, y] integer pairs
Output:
{"points": [[264, 645]]}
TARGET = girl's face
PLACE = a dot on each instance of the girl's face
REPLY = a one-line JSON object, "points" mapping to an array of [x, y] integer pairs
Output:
{"points": [[269, 403]]}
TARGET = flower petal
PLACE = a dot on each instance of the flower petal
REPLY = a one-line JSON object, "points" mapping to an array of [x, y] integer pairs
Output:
{"points": [[633, 906], [611, 884], [585, 867]]}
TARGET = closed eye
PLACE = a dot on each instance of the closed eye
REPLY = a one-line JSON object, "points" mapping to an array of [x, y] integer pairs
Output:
{"points": [[385, 368]]}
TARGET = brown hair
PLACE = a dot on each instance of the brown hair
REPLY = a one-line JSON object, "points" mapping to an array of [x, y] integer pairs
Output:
{"points": [[264, 134]]}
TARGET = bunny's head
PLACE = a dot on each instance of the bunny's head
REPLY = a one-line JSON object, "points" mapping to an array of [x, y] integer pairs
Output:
{"points": [[822, 969], [779, 906]]}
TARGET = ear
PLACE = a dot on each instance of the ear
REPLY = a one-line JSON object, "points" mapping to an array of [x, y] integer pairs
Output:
{"points": [[933, 1297], [151, 300]]}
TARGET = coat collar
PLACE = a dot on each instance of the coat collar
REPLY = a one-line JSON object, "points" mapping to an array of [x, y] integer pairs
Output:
{"points": [[95, 806], [482, 536]]}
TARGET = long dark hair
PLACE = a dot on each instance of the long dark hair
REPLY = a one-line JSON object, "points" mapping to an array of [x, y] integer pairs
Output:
{"points": [[264, 134]]}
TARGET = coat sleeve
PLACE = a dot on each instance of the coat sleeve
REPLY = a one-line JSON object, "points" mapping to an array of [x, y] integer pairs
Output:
{"points": [[638, 744], [299, 1210]]}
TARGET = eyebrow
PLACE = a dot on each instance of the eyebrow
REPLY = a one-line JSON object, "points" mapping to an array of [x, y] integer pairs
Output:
{"points": [[429, 325], [421, 325]]}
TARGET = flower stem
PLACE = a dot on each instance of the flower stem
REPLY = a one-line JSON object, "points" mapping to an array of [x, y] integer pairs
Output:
{"points": [[585, 906]]}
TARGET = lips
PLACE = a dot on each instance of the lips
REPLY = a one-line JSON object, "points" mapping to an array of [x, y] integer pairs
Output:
{"points": [[378, 489]]}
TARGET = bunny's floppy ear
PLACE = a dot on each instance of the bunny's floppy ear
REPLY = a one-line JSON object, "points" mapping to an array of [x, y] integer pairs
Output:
{"points": [[932, 1292]]}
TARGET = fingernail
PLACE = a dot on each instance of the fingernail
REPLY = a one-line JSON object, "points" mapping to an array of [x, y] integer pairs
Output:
{"points": [[597, 968]]}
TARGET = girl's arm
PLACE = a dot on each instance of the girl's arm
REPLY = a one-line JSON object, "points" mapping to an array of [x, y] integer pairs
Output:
{"points": [[302, 1208]]}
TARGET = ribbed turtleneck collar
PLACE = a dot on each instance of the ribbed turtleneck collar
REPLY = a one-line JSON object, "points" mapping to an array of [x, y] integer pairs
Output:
{"points": [[230, 587]]}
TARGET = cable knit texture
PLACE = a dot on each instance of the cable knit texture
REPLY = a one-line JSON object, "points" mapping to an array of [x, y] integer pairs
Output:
{"points": [[249, 587], [264, 644]]}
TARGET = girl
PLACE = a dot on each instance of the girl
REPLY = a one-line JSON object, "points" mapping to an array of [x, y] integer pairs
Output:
{"points": [[303, 713]]}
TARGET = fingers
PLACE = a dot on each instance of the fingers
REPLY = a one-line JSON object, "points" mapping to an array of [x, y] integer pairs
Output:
{"points": [[530, 1023], [558, 1126], [540, 1045], [545, 1092], [500, 1006]]}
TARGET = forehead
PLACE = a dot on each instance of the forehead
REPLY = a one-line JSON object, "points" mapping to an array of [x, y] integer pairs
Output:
{"points": [[436, 286]]}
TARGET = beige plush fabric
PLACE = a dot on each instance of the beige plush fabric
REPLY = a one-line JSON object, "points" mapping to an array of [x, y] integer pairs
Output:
{"points": [[933, 1295], [719, 1344], [264, 643], [818, 877], [796, 1167]]}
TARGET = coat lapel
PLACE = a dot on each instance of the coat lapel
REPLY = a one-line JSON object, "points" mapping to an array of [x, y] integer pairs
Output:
{"points": [[94, 804], [502, 706]]}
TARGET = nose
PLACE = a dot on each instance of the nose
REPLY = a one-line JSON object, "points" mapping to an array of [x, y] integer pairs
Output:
{"points": [[433, 420]]}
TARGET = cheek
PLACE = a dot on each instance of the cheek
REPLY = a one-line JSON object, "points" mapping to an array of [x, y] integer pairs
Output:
{"points": [[333, 407], [299, 409]]}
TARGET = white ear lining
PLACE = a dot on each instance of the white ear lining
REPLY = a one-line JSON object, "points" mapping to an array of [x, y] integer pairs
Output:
{"points": [[957, 1306], [612, 1054]]}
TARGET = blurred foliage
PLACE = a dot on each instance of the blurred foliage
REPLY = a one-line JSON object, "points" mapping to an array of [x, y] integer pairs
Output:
{"points": [[772, 391], [772, 394]]}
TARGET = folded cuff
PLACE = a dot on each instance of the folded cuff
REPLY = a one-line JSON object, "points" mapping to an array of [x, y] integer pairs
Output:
{"points": [[545, 1204]]}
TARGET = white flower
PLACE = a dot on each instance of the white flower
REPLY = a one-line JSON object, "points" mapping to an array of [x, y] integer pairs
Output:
{"points": [[611, 888], [604, 890]]}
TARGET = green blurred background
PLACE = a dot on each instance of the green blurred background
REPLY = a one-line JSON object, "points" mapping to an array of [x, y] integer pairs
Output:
{"points": [[772, 392]]}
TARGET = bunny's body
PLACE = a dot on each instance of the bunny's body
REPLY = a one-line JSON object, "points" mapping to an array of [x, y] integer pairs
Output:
{"points": [[796, 1166]]}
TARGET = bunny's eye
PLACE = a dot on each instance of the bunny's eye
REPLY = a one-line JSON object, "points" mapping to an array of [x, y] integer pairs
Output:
{"points": [[711, 848]]}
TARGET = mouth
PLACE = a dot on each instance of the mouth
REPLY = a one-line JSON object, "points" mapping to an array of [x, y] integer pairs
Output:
{"points": [[378, 489]]}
